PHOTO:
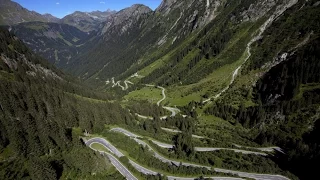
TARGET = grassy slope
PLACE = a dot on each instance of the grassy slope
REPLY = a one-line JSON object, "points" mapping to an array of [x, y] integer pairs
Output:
{"points": [[182, 94]]}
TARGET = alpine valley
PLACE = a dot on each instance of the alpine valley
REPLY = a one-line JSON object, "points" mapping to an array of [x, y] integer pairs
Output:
{"points": [[195, 89]]}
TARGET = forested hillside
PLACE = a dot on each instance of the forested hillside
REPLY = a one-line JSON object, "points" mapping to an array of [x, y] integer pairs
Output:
{"points": [[42, 116], [59, 43]]}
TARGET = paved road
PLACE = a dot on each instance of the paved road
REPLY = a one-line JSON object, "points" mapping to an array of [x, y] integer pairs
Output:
{"points": [[163, 94], [114, 161], [163, 159], [136, 75], [125, 132], [265, 149], [253, 175], [173, 111], [106, 144], [144, 117], [114, 84], [142, 169], [163, 145], [208, 149], [178, 131], [121, 168], [126, 82], [214, 178], [158, 156]]}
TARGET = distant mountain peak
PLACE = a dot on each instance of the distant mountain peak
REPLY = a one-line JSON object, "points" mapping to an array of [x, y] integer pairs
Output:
{"points": [[14, 13], [51, 18], [87, 21], [135, 9]]}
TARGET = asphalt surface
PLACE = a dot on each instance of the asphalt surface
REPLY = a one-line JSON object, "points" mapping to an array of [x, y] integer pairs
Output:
{"points": [[158, 156], [121, 168], [106, 144], [253, 175], [205, 149], [125, 132], [173, 111], [163, 159], [208, 149], [114, 161], [144, 117], [264, 149], [178, 131], [163, 94], [163, 145], [142, 169], [214, 178]]}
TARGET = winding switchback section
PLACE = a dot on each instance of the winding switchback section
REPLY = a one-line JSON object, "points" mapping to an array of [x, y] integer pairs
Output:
{"points": [[264, 149], [114, 161], [163, 159], [124, 171]]}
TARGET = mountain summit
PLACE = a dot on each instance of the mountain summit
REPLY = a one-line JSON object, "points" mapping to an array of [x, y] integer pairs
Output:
{"points": [[87, 21], [13, 13]]}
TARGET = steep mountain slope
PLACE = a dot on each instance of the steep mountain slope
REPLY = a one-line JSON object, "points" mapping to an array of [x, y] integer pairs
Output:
{"points": [[51, 18], [117, 34], [57, 42], [42, 112], [12, 13], [140, 36], [87, 21]]}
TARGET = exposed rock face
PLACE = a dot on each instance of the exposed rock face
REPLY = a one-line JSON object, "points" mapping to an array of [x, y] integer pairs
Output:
{"points": [[12, 13], [50, 18], [257, 10], [125, 17], [165, 6], [260, 8], [87, 21]]}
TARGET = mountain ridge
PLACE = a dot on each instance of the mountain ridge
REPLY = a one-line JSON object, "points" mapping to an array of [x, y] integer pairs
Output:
{"points": [[14, 13]]}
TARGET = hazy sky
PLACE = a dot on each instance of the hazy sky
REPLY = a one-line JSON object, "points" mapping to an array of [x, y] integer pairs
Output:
{"points": [[60, 8]]}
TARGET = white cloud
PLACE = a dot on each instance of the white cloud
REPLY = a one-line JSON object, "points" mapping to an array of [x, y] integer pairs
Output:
{"points": [[57, 3], [102, 2]]}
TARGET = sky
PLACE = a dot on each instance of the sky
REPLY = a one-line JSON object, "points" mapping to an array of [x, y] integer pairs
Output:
{"points": [[61, 8]]}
